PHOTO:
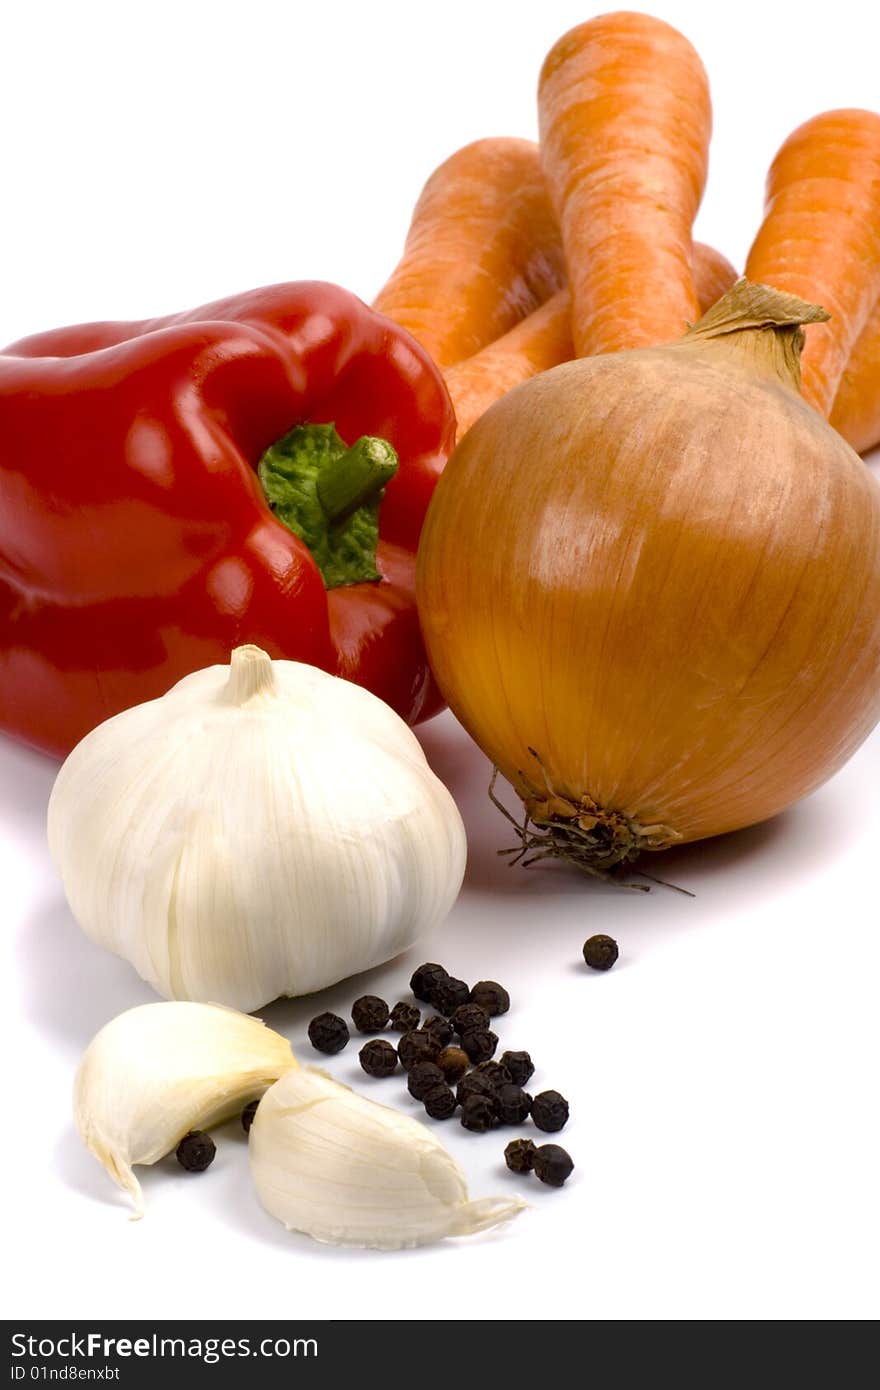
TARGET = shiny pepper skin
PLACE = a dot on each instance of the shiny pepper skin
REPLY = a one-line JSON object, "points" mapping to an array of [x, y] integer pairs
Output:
{"points": [[136, 544]]}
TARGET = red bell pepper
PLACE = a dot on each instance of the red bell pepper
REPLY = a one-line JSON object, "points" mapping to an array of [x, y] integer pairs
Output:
{"points": [[137, 542]]}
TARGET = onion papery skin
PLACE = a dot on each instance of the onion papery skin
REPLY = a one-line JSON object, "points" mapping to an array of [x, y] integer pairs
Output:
{"points": [[660, 571]]}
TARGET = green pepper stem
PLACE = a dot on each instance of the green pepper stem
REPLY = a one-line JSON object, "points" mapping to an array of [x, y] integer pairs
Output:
{"points": [[346, 483], [329, 496]]}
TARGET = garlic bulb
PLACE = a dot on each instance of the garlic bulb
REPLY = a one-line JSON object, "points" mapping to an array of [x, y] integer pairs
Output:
{"points": [[263, 829], [339, 1167], [159, 1070]]}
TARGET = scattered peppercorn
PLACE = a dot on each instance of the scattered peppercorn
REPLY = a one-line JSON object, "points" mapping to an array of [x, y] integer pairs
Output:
{"points": [[247, 1116], [440, 1102], [423, 1077], [514, 1105], [480, 1044], [519, 1065], [448, 993], [490, 996], [469, 1017], [404, 1017], [424, 979], [370, 1014], [600, 953], [476, 1085], [496, 1073], [453, 1062], [478, 1114], [417, 1045], [328, 1033], [520, 1155], [441, 1028], [378, 1058], [552, 1164], [196, 1151], [549, 1111]]}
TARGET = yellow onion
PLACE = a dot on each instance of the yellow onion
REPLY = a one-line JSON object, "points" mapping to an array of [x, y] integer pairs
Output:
{"points": [[650, 588]]}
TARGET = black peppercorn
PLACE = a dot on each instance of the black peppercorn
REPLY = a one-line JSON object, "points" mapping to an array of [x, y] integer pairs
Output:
{"points": [[405, 1017], [424, 979], [520, 1066], [378, 1058], [196, 1151], [476, 1085], [468, 1018], [600, 953], [328, 1033], [441, 1028], [520, 1155], [491, 996], [448, 993], [247, 1116], [417, 1046], [549, 1111], [478, 1114], [480, 1044], [370, 1014], [453, 1062], [552, 1165], [440, 1102], [496, 1073], [514, 1105], [423, 1077]]}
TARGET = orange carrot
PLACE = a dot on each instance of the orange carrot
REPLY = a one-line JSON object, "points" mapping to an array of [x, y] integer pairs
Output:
{"points": [[625, 121], [483, 251], [820, 238], [713, 275], [543, 340], [539, 342], [856, 409]]}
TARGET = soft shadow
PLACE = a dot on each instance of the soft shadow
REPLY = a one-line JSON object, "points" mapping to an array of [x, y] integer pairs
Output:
{"points": [[82, 1173], [292, 1016], [238, 1207], [71, 987], [796, 843], [26, 779], [452, 754]]}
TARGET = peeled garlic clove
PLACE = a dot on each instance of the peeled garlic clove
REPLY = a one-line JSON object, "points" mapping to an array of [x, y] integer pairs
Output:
{"points": [[159, 1070], [339, 1167]]}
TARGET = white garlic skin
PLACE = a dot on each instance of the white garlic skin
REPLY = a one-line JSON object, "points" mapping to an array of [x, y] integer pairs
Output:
{"points": [[157, 1071], [345, 1170], [264, 829]]}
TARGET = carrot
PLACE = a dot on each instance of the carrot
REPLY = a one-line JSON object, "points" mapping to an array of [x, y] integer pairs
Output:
{"points": [[713, 275], [625, 120], [856, 409], [539, 342], [483, 251], [820, 238], [544, 339]]}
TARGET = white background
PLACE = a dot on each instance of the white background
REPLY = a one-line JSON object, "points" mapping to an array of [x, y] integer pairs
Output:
{"points": [[723, 1075]]}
